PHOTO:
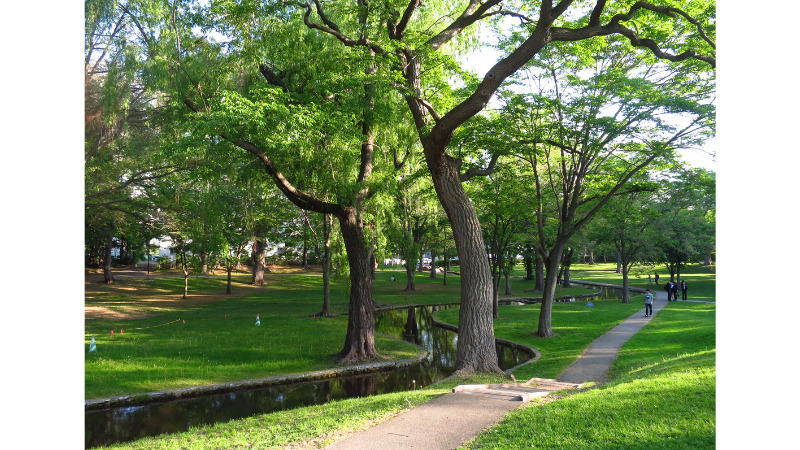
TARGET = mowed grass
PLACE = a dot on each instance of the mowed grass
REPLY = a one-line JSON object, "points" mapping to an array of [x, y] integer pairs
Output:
{"points": [[700, 280], [576, 326], [661, 395], [308, 427], [185, 344]]}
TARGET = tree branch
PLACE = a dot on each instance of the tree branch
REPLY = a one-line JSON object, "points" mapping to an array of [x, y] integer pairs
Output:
{"points": [[296, 196], [475, 171], [331, 28], [615, 27], [272, 78]]}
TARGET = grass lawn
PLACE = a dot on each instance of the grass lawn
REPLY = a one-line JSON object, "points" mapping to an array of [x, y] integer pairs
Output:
{"points": [[212, 338], [169, 344], [661, 393]]}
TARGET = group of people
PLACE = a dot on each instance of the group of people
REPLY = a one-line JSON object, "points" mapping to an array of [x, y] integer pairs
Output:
{"points": [[672, 295], [672, 290]]}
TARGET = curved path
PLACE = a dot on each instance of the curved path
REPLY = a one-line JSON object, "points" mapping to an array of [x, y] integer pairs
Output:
{"points": [[452, 419]]}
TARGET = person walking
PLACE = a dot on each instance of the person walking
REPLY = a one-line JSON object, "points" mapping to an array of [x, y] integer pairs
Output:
{"points": [[673, 290], [648, 303], [684, 288], [656, 277]]}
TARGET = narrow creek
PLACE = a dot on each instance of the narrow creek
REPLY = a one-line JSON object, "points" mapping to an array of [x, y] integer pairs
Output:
{"points": [[125, 423]]}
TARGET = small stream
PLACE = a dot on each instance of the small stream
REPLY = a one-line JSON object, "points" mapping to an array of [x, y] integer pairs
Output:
{"points": [[125, 423]]}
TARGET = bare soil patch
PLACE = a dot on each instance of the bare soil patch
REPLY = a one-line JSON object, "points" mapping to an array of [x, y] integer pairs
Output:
{"points": [[131, 296]]}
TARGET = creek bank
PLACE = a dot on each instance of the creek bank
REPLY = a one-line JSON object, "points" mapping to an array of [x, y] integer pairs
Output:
{"points": [[537, 300], [195, 391]]}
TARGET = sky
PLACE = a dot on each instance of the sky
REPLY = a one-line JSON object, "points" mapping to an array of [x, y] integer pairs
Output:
{"points": [[42, 199]]}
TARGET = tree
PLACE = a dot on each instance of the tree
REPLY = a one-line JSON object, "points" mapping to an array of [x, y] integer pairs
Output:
{"points": [[392, 49], [628, 222], [590, 135], [500, 213], [121, 154], [686, 219], [312, 134], [410, 36]]}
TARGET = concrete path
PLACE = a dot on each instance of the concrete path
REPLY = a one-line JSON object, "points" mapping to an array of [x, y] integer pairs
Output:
{"points": [[453, 419], [594, 363]]}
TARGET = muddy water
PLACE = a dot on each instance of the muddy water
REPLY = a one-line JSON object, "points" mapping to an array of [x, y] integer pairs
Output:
{"points": [[120, 424]]}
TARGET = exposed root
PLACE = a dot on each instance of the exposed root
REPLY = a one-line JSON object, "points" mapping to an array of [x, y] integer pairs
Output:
{"points": [[354, 356]]}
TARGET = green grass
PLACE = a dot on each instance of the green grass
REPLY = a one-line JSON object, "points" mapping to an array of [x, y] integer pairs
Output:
{"points": [[701, 280], [575, 324], [180, 345], [661, 395], [311, 426]]}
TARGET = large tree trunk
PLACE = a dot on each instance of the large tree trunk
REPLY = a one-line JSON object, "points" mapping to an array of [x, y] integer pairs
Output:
{"points": [[410, 283], [259, 248], [476, 344], [360, 340]]}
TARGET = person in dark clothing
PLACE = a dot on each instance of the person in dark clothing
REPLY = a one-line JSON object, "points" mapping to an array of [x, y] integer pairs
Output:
{"points": [[672, 291], [656, 277], [684, 288]]}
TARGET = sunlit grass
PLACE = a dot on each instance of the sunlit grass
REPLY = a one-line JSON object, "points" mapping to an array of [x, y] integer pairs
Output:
{"points": [[661, 393]]}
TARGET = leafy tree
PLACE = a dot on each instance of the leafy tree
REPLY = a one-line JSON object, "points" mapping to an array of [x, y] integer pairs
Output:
{"points": [[628, 222], [312, 131], [590, 135], [686, 219], [501, 214], [416, 40]]}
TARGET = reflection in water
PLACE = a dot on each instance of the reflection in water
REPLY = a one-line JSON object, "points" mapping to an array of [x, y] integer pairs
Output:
{"points": [[110, 425]]}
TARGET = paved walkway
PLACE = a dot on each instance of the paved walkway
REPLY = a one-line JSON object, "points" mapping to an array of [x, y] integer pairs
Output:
{"points": [[452, 419]]}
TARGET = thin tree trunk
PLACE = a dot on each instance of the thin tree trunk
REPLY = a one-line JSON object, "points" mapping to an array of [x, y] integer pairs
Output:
{"points": [[528, 261], [326, 268], [539, 286], [626, 268], [567, 265], [545, 315], [108, 277], [230, 270]]}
